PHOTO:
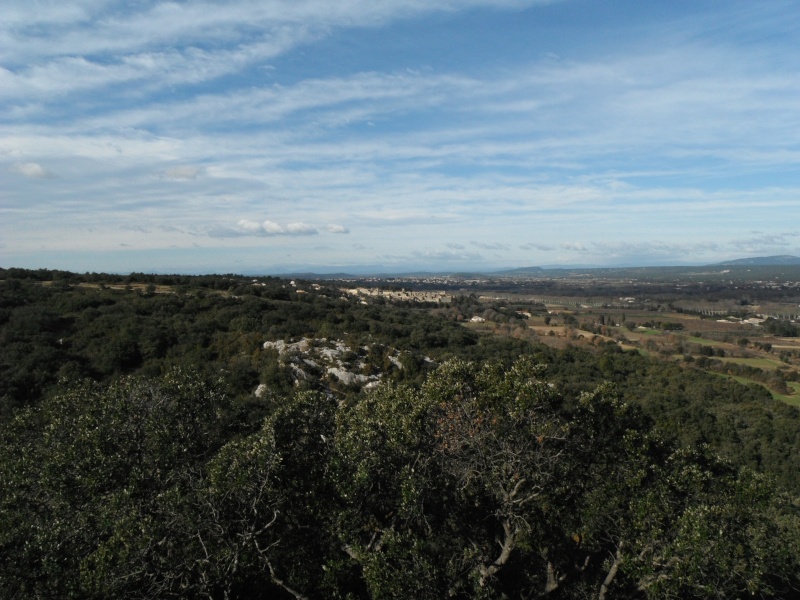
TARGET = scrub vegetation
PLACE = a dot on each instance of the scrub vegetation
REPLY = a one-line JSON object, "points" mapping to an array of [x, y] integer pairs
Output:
{"points": [[229, 437]]}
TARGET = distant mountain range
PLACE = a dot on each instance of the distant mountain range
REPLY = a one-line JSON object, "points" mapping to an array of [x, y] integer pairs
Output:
{"points": [[784, 259], [380, 272], [756, 261]]}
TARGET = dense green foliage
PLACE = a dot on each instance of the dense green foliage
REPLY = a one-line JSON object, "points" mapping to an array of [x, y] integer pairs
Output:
{"points": [[484, 482], [743, 423], [64, 330], [781, 328], [135, 461]]}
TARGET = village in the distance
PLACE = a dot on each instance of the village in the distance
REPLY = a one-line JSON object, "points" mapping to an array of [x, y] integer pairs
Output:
{"points": [[742, 321]]}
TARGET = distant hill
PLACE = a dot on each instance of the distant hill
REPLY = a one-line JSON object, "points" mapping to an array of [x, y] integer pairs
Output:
{"points": [[784, 259], [521, 272], [536, 272]]}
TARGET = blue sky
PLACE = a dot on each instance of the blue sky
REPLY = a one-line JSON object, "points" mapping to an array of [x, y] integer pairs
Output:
{"points": [[275, 135]]}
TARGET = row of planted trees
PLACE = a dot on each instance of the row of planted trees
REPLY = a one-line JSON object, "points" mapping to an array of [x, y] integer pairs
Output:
{"points": [[483, 483]]}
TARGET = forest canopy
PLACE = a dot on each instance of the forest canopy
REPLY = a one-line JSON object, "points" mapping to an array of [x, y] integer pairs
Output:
{"points": [[483, 482], [181, 438]]}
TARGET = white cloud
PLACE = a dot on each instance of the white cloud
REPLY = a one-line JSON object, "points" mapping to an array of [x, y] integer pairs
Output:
{"points": [[272, 228], [300, 229], [247, 227], [250, 227], [32, 170], [333, 228]]}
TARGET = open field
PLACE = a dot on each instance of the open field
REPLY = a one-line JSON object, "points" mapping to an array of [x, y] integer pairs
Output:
{"points": [[760, 363], [793, 399], [703, 341], [136, 287], [737, 346]]}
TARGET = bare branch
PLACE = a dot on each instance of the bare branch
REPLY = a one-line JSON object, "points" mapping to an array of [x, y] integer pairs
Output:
{"points": [[612, 572], [506, 546], [281, 583]]}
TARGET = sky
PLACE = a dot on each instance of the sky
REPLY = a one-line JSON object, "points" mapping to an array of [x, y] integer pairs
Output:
{"points": [[272, 136]]}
